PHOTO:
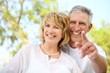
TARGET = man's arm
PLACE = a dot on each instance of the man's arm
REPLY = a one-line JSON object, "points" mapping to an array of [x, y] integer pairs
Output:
{"points": [[99, 63]]}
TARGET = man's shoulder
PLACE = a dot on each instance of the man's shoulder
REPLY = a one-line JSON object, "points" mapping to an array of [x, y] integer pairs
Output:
{"points": [[67, 57], [100, 50], [66, 48]]}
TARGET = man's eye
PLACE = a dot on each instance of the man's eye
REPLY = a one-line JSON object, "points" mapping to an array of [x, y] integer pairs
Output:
{"points": [[82, 23], [72, 22]]}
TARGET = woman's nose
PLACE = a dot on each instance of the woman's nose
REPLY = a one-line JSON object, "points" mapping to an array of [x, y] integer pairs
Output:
{"points": [[51, 30]]}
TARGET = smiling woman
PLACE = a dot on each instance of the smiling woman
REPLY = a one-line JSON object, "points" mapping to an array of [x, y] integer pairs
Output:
{"points": [[47, 56], [52, 22]]}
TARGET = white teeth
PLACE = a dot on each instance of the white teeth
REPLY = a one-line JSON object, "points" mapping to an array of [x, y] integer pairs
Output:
{"points": [[76, 33], [50, 36]]}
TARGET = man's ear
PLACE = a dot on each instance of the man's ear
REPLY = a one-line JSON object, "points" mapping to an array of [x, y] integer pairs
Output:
{"points": [[90, 26]]}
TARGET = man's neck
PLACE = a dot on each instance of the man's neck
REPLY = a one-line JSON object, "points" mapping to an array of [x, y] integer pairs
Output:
{"points": [[72, 44]]}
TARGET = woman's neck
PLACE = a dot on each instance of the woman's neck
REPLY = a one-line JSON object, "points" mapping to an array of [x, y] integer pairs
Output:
{"points": [[51, 50], [50, 47]]}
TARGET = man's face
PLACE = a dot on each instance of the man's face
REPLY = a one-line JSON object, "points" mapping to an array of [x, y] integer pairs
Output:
{"points": [[79, 21]]}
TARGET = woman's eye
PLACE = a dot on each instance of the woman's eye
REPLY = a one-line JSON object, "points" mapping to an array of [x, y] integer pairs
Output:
{"points": [[56, 27], [47, 25]]}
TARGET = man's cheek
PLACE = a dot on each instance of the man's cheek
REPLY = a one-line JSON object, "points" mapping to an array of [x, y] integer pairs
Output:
{"points": [[70, 27]]}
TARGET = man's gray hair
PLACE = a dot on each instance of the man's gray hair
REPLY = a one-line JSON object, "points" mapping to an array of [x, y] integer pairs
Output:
{"points": [[82, 9]]}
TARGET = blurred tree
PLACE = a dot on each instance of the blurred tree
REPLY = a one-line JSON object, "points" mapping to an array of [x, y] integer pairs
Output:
{"points": [[15, 15], [101, 36]]}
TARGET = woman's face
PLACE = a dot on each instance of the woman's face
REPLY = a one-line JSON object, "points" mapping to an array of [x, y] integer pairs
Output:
{"points": [[52, 32]]}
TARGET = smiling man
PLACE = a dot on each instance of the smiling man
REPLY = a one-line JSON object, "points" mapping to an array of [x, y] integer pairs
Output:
{"points": [[89, 56]]}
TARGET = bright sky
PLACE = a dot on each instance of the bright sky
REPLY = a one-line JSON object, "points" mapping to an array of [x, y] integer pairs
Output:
{"points": [[99, 8]]}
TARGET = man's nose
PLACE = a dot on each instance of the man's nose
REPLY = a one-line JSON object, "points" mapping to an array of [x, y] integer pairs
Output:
{"points": [[77, 26]]}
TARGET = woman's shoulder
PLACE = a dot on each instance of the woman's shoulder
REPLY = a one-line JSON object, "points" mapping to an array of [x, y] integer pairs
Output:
{"points": [[28, 47]]}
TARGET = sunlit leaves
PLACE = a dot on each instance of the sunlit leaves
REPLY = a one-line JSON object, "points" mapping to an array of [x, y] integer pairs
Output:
{"points": [[102, 37], [15, 13]]}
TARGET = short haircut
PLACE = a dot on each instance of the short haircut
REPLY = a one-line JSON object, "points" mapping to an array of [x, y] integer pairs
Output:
{"points": [[82, 9]]}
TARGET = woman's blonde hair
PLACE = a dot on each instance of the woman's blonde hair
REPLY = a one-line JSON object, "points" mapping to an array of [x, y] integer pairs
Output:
{"points": [[61, 20]]}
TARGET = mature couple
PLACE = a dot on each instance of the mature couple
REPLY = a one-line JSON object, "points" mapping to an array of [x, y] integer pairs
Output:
{"points": [[64, 49]]}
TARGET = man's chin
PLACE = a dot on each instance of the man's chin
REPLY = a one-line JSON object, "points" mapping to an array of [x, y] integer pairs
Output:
{"points": [[76, 40]]}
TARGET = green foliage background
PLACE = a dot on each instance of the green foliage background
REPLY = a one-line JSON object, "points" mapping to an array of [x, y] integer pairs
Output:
{"points": [[101, 36], [13, 12]]}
